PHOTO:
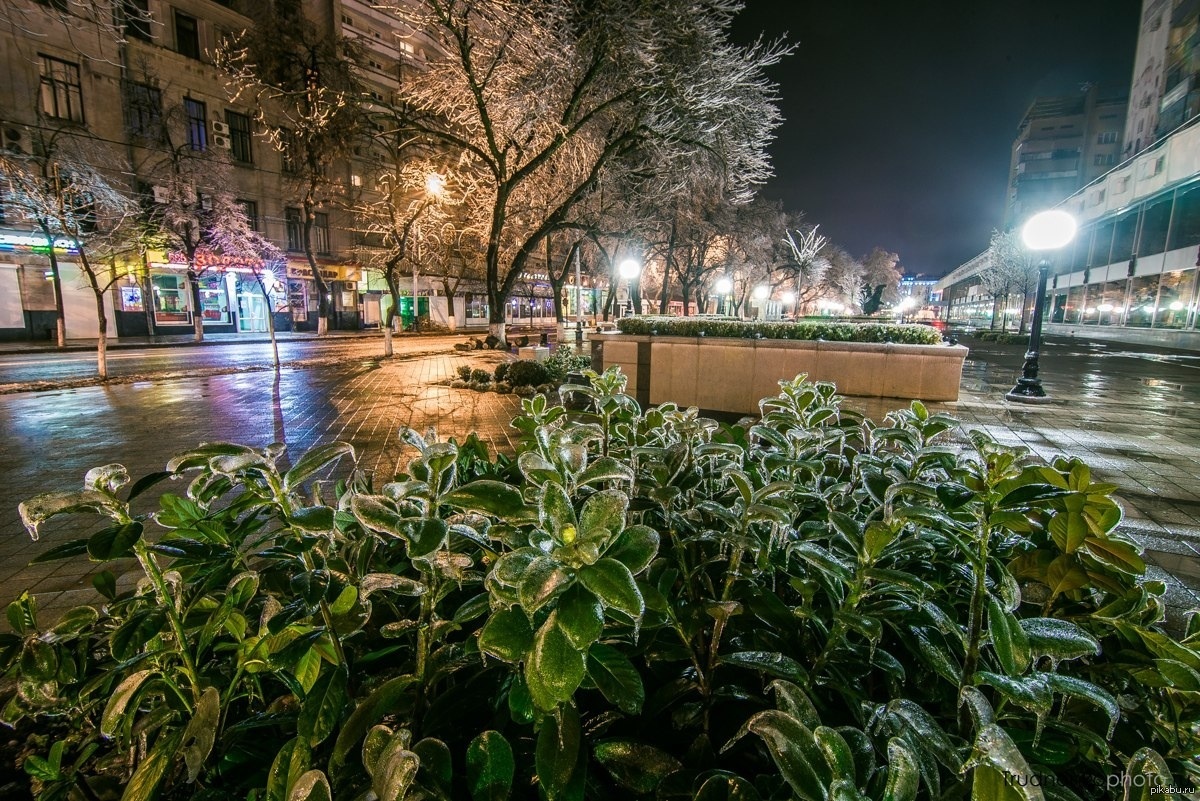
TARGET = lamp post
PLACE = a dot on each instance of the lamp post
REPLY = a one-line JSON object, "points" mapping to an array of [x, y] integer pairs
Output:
{"points": [[724, 286], [789, 298], [629, 270], [1046, 231], [435, 187]]}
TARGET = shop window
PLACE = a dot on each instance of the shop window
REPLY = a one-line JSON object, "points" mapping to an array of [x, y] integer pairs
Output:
{"points": [[214, 299], [1102, 245], [1072, 311], [295, 229], [1174, 291], [239, 137], [476, 306], [187, 35], [170, 299], [196, 119], [1143, 292], [298, 299], [61, 90], [1123, 236], [1108, 302], [1156, 220]]}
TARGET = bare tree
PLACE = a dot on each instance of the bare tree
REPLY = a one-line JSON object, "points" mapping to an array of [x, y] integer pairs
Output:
{"points": [[1015, 270], [303, 85], [543, 98], [880, 279], [82, 204], [85, 23]]}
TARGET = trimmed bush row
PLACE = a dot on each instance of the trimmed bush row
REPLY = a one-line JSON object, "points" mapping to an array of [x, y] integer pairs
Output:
{"points": [[808, 331]]}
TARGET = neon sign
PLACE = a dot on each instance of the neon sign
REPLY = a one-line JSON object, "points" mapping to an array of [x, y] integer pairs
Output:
{"points": [[34, 244]]}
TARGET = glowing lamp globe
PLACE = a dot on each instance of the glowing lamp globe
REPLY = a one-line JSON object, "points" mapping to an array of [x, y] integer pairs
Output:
{"points": [[761, 292], [1048, 230], [723, 286], [629, 269]]}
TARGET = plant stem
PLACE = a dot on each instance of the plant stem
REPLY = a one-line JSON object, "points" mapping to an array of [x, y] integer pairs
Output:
{"points": [[151, 568]]}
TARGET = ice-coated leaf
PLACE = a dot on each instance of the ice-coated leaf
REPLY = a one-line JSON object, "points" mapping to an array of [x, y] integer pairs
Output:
{"points": [[1146, 773], [1058, 639], [544, 579], [201, 732], [114, 710], [926, 729], [903, 777], [395, 770], [107, 479], [614, 585], [997, 761], [380, 702], [203, 453], [41, 508], [837, 752], [143, 785], [490, 767], [635, 766], [635, 547], [555, 667], [790, 698], [507, 635], [794, 750], [726, 787], [604, 510], [769, 662], [311, 786], [616, 678], [1085, 691], [556, 754], [1008, 638], [390, 582], [322, 708], [537, 469], [606, 468], [556, 514], [490, 497], [377, 513], [581, 616], [315, 460], [1029, 692]]}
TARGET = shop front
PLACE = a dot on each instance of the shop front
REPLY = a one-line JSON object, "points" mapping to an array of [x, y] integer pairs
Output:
{"points": [[341, 281], [228, 297]]}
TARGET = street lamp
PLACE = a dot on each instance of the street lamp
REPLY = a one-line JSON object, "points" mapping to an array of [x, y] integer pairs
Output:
{"points": [[788, 298], [629, 270], [1046, 231], [761, 293], [435, 189], [724, 286]]}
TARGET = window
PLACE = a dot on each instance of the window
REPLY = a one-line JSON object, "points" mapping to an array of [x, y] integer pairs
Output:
{"points": [[187, 36], [1185, 228], [170, 298], [61, 90], [136, 22], [250, 209], [143, 111], [239, 136], [320, 233], [196, 113], [1102, 160], [1106, 138], [295, 229]]}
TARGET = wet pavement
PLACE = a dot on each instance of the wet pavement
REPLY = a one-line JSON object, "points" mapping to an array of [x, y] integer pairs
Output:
{"points": [[1131, 413]]}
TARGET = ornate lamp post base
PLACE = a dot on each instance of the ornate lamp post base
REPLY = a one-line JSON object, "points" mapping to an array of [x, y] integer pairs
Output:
{"points": [[1029, 386]]}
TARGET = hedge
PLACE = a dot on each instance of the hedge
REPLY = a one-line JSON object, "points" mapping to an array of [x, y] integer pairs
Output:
{"points": [[753, 329]]}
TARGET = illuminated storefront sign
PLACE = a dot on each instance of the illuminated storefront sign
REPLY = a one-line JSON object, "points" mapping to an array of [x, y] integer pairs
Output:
{"points": [[330, 272], [32, 243]]}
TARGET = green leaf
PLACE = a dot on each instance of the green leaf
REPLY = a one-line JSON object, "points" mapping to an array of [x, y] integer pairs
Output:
{"points": [[726, 787], [201, 732], [507, 635], [604, 510], [1065, 575], [1116, 554], [65, 551], [143, 784], [380, 702], [1058, 639], [1086, 691], [39, 661], [1030, 495], [555, 667], [314, 460], [146, 482], [290, 763], [635, 766], [1146, 773], [378, 514], [22, 613], [490, 497], [114, 710], [322, 709], [581, 616], [105, 583], [614, 585], [557, 751], [115, 542], [395, 770], [769, 662], [1008, 638], [490, 767], [903, 777], [1029, 692], [635, 547], [616, 678], [316, 519]]}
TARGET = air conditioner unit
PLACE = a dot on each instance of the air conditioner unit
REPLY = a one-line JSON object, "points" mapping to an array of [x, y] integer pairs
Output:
{"points": [[16, 138], [161, 195], [220, 128], [223, 141]]}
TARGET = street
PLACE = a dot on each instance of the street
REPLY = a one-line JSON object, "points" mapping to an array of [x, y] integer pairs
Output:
{"points": [[1131, 413]]}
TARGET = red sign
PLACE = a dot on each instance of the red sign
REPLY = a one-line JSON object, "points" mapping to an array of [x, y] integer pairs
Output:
{"points": [[206, 259]]}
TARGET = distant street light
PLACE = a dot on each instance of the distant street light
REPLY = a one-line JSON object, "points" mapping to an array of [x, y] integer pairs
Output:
{"points": [[1046, 231], [724, 286], [435, 190], [788, 298], [629, 270], [761, 293]]}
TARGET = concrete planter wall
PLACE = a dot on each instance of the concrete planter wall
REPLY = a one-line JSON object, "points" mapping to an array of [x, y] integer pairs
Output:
{"points": [[732, 375]]}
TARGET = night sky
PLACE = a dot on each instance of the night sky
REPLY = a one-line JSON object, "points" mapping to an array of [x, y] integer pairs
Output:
{"points": [[900, 115]]}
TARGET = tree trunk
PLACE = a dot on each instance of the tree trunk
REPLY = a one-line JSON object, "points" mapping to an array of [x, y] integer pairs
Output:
{"points": [[318, 279], [450, 291], [102, 339], [686, 290], [557, 288], [270, 321], [197, 312], [60, 325], [389, 276]]}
